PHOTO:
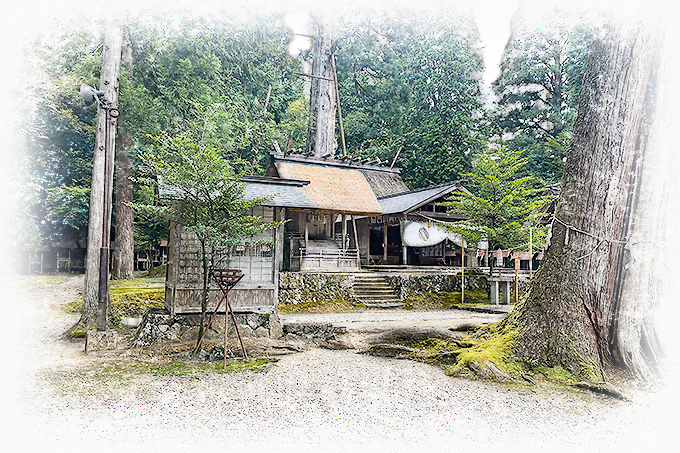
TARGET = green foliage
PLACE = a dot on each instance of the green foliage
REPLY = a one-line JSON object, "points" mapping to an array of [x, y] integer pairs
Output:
{"points": [[412, 83], [207, 194], [70, 205], [503, 203], [538, 89]]}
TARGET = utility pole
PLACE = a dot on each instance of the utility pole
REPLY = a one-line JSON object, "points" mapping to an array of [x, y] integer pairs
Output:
{"points": [[95, 294]]}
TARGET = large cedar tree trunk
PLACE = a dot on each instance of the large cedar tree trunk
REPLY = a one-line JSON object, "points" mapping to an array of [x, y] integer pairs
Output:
{"points": [[124, 253], [108, 83], [645, 261], [322, 99], [568, 316]]}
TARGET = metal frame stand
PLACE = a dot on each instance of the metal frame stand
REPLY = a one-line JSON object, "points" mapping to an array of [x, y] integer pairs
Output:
{"points": [[226, 279]]}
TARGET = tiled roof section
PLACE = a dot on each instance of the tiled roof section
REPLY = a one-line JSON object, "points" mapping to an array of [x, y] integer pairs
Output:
{"points": [[283, 193], [384, 183], [332, 187], [409, 201]]}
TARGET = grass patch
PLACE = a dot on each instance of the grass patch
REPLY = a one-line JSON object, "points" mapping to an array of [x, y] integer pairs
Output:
{"points": [[321, 306], [444, 300], [104, 378], [126, 283], [156, 272]]}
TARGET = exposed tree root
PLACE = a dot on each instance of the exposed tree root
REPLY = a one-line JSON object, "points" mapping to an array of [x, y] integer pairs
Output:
{"points": [[603, 388]]}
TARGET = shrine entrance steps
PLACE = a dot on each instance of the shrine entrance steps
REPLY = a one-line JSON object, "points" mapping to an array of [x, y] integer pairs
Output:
{"points": [[374, 291]]}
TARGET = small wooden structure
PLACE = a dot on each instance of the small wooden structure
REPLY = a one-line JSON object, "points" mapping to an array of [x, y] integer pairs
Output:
{"points": [[257, 291]]}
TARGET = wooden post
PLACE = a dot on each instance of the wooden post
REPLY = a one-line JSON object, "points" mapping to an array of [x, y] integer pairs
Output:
{"points": [[462, 270], [384, 243], [517, 262], [531, 254], [356, 241], [368, 242], [96, 270], [344, 231], [404, 250], [306, 232]]}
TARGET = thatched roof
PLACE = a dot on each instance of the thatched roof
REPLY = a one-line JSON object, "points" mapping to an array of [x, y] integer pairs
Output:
{"points": [[335, 188], [385, 182]]}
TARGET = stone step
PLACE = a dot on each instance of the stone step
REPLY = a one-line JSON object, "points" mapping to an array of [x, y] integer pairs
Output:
{"points": [[369, 289], [364, 296], [385, 305], [375, 292]]}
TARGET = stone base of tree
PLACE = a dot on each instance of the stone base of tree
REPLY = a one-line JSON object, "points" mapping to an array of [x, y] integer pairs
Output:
{"points": [[159, 327], [101, 340]]}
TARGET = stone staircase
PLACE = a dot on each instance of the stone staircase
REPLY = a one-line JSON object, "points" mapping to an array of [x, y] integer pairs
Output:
{"points": [[374, 291]]}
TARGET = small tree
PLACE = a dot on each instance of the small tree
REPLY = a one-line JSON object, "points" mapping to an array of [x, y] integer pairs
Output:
{"points": [[207, 201], [504, 202]]}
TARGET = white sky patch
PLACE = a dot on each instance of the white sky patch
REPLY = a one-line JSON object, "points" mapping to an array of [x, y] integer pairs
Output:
{"points": [[493, 19]]}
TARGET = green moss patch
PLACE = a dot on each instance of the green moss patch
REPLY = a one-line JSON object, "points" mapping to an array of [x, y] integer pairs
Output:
{"points": [[444, 300], [134, 301], [557, 373], [321, 306], [131, 299], [103, 378], [496, 349], [156, 272]]}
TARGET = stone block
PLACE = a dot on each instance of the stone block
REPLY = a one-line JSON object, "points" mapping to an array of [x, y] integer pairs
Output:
{"points": [[101, 340]]}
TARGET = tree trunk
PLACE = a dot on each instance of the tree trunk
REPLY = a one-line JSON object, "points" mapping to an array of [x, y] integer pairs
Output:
{"points": [[567, 318], [109, 84], [636, 346], [322, 105], [124, 254]]}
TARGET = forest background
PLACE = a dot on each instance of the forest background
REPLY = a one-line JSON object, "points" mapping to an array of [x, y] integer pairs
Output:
{"points": [[410, 80]]}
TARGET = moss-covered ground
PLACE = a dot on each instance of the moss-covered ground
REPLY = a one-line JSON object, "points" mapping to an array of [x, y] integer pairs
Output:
{"points": [[109, 374], [129, 298], [444, 300], [322, 306]]}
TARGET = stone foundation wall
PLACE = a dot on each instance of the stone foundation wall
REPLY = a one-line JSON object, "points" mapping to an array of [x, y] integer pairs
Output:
{"points": [[158, 326], [411, 285], [302, 287]]}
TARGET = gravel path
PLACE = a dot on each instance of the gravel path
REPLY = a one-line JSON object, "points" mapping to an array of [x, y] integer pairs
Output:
{"points": [[58, 398]]}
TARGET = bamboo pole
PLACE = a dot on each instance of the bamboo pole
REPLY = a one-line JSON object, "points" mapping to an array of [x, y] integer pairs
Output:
{"points": [[337, 100], [290, 140], [395, 157]]}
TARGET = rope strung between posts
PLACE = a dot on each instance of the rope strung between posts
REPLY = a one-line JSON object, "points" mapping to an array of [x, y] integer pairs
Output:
{"points": [[600, 240], [443, 222]]}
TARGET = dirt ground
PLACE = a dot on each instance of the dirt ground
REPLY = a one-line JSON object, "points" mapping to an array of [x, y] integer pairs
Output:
{"points": [[56, 397]]}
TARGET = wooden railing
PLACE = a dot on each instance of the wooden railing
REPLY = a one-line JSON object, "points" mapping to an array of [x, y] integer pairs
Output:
{"points": [[319, 258]]}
